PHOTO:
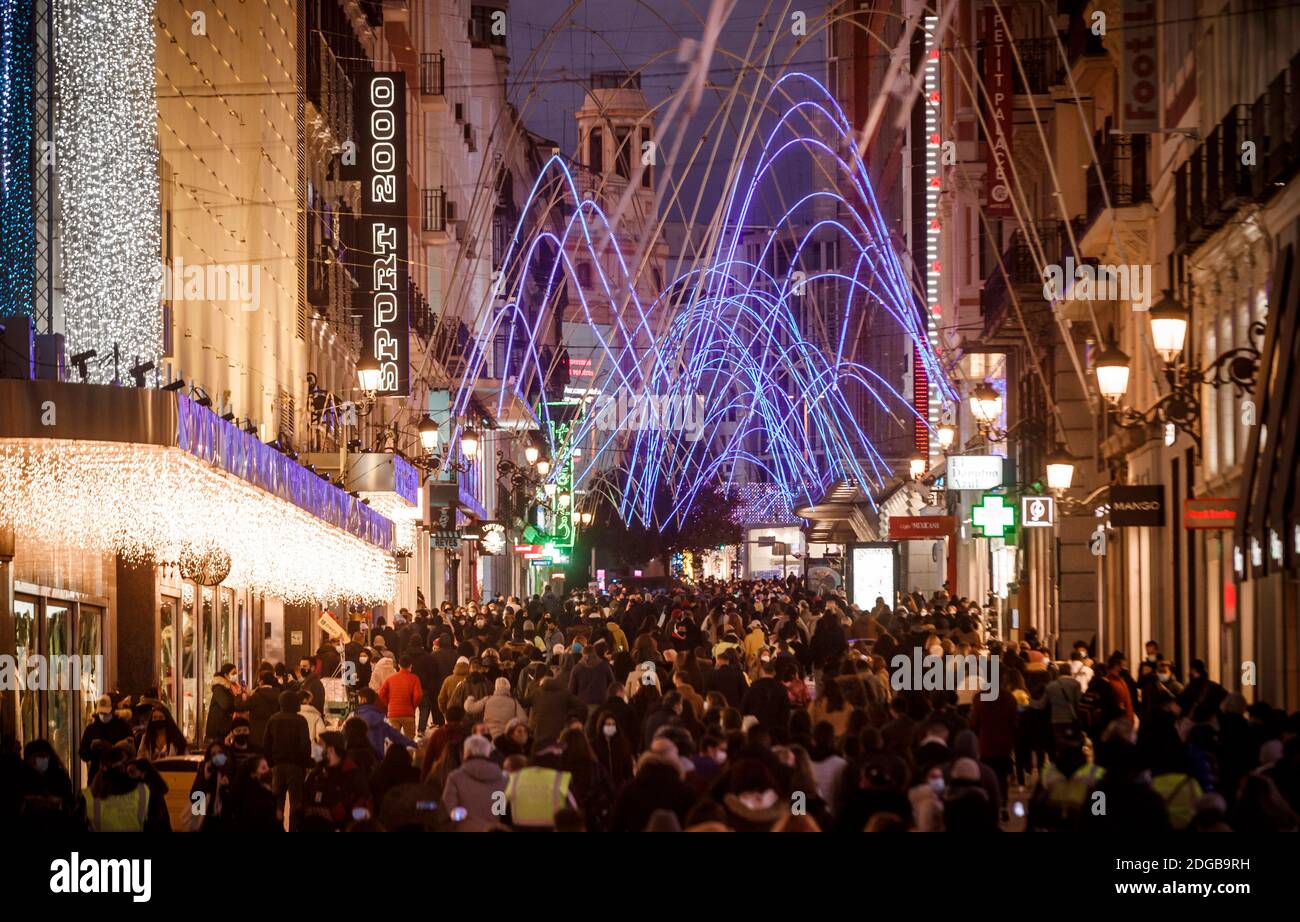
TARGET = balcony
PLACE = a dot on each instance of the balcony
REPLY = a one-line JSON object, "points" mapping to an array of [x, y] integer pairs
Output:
{"points": [[1119, 199], [1275, 131], [434, 220], [1213, 182], [1043, 66], [329, 90], [1021, 269], [433, 77]]}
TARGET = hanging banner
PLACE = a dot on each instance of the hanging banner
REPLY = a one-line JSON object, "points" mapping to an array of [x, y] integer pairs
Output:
{"points": [[379, 108], [1001, 93], [1140, 92]]}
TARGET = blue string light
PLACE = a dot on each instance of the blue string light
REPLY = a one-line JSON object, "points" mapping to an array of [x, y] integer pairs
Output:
{"points": [[17, 223]]}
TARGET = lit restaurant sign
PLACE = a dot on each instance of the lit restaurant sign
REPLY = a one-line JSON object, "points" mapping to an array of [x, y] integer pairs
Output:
{"points": [[1210, 513], [380, 117]]}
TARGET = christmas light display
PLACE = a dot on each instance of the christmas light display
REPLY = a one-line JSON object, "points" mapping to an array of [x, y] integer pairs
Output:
{"points": [[734, 338], [152, 503], [106, 144], [17, 227]]}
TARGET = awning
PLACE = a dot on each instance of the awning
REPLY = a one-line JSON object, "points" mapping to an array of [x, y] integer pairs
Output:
{"points": [[150, 475]]}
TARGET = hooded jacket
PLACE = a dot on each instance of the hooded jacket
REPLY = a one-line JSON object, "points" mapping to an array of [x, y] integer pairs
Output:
{"points": [[476, 786], [451, 683], [552, 707], [498, 709], [379, 729]]}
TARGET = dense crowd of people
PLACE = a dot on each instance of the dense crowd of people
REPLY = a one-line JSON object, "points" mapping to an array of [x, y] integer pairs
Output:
{"points": [[745, 706]]}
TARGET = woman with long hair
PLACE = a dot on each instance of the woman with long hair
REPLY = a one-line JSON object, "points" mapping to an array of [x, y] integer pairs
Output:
{"points": [[591, 786]]}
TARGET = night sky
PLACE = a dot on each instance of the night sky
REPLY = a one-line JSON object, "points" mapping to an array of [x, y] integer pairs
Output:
{"points": [[627, 35]]}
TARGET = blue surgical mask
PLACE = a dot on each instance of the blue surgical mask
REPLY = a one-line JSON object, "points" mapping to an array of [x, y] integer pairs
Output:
{"points": [[219, 760]]}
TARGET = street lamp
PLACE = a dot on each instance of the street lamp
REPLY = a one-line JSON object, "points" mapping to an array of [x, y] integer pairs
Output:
{"points": [[1112, 368], [428, 430], [1169, 327], [549, 488], [1060, 469], [916, 467], [947, 434], [543, 466], [469, 444], [985, 404], [564, 499], [532, 452], [369, 374]]}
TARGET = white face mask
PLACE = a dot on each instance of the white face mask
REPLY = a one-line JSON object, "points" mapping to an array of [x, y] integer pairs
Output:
{"points": [[609, 730], [720, 756]]}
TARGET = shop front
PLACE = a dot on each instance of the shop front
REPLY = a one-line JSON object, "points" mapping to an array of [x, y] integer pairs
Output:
{"points": [[154, 542]]}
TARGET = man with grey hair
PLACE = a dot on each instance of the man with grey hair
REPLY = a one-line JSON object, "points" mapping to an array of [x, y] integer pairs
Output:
{"points": [[474, 795]]}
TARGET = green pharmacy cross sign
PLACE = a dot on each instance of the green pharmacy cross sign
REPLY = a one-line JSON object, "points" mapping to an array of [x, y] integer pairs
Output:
{"points": [[993, 517]]}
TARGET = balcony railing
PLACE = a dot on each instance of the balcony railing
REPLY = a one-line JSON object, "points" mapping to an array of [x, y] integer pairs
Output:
{"points": [[434, 219], [328, 86], [1213, 182], [1043, 66], [1275, 131], [1123, 182], [433, 74]]}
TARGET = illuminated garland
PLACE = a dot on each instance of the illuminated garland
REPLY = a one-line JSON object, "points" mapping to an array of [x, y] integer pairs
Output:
{"points": [[106, 140], [150, 503], [736, 339], [17, 225]]}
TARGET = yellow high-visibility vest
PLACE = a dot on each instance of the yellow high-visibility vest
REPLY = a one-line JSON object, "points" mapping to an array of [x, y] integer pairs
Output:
{"points": [[535, 794], [119, 813]]}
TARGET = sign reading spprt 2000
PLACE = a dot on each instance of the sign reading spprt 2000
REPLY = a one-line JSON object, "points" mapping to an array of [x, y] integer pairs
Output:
{"points": [[380, 114]]}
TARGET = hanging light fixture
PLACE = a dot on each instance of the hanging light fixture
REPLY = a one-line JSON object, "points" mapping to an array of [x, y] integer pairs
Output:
{"points": [[947, 434], [1169, 327], [543, 466], [532, 452], [985, 404], [1060, 469], [369, 374], [469, 444], [564, 499], [916, 467], [1112, 369], [428, 435]]}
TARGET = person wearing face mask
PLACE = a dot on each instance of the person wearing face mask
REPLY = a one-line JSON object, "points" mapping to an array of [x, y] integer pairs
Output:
{"points": [[107, 728], [611, 747], [239, 742], [115, 800], [336, 792], [212, 780], [45, 800], [254, 804], [161, 738], [309, 681]]}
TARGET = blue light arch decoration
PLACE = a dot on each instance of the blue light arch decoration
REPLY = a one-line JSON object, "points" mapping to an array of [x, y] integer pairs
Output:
{"points": [[17, 221], [734, 338]]}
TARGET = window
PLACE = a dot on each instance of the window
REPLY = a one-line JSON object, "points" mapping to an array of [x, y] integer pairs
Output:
{"points": [[622, 153], [647, 167], [596, 150]]}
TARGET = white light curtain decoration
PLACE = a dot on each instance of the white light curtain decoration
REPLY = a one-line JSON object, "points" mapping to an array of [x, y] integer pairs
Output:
{"points": [[146, 502], [106, 156], [404, 517]]}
